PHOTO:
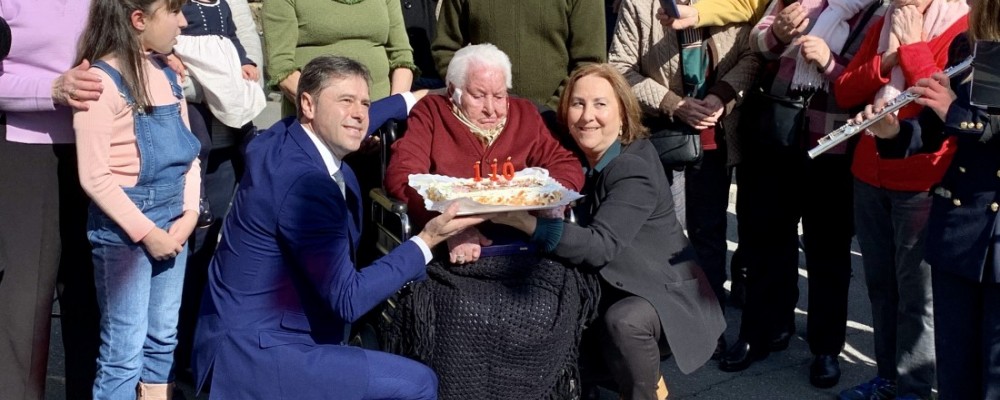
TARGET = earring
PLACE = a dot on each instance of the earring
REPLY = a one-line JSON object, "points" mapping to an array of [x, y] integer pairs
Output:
{"points": [[620, 130]]}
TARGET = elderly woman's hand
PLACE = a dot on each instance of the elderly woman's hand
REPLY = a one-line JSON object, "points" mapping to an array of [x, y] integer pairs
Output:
{"points": [[908, 24], [695, 113], [77, 86], [688, 18], [791, 22], [466, 246]]}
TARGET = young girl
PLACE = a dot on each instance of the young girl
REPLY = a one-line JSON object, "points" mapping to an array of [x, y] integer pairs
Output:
{"points": [[137, 164]]}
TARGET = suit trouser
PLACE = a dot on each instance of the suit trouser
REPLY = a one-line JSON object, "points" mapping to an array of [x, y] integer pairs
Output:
{"points": [[631, 342], [776, 190], [967, 332], [891, 229], [42, 237], [707, 186]]}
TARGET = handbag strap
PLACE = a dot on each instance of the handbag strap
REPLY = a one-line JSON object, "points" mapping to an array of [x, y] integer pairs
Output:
{"points": [[860, 27]]}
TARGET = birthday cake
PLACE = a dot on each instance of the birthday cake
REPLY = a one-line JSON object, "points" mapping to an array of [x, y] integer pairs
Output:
{"points": [[519, 191]]}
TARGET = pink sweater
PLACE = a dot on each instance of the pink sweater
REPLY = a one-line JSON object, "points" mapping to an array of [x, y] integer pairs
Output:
{"points": [[109, 157]]}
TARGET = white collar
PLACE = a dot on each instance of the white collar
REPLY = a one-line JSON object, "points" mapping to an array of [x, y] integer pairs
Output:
{"points": [[331, 161]]}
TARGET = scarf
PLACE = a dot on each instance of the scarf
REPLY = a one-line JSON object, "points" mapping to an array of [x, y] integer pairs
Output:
{"points": [[831, 25], [694, 60], [485, 136], [938, 17]]}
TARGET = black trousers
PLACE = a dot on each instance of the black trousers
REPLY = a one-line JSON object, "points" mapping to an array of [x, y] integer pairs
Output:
{"points": [[777, 188], [42, 240], [707, 192], [967, 333]]}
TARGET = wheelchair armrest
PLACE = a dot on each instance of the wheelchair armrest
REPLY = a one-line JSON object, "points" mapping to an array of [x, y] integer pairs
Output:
{"points": [[391, 222]]}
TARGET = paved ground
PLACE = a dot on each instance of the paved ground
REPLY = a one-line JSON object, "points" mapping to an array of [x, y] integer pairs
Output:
{"points": [[783, 375]]}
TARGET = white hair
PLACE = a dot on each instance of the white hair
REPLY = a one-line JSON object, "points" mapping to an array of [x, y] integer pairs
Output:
{"points": [[482, 55]]}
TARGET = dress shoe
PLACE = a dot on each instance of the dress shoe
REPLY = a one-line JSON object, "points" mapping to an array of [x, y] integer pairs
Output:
{"points": [[740, 356], [780, 342], [824, 371]]}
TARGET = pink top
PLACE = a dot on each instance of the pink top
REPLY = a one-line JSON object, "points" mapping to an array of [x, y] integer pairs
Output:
{"points": [[109, 157], [44, 34]]}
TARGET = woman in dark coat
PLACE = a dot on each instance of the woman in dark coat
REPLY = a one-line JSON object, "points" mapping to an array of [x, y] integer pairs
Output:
{"points": [[654, 295], [963, 235]]}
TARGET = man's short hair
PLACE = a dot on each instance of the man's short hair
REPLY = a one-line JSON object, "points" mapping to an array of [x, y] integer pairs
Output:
{"points": [[481, 55], [319, 72]]}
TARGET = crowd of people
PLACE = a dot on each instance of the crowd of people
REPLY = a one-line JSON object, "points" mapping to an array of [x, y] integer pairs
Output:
{"points": [[183, 242]]}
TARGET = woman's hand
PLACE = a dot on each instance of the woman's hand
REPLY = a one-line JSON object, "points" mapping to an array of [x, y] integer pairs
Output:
{"points": [[885, 128], [908, 25], [693, 112], [183, 226], [161, 245], [77, 86], [250, 72], [688, 18], [815, 50], [935, 93], [523, 221], [466, 246], [791, 22], [290, 86]]}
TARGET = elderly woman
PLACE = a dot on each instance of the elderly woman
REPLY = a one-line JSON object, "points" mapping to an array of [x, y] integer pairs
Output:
{"points": [[502, 327], [963, 231], [653, 294], [370, 31], [43, 208], [891, 201], [697, 85]]}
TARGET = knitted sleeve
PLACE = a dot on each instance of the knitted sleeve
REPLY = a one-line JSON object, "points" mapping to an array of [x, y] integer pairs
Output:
{"points": [[762, 38], [587, 42], [450, 33], [281, 35], [397, 47]]}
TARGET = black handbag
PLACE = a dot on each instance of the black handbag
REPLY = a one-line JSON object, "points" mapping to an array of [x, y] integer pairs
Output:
{"points": [[677, 143], [774, 121]]}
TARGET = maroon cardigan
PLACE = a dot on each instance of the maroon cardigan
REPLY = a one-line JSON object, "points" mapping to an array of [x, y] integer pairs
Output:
{"points": [[437, 142]]}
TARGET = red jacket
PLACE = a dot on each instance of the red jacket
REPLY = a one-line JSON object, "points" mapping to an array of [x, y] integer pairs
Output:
{"points": [[859, 83], [437, 142]]}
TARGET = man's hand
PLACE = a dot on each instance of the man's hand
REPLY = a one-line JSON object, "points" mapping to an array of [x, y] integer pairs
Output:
{"points": [[908, 25], [77, 86], [161, 245], [688, 18], [183, 226], [466, 246], [446, 225], [250, 72], [935, 93], [175, 63], [814, 50], [791, 22]]}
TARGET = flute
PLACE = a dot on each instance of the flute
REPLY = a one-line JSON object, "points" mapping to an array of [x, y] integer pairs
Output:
{"points": [[849, 129]]}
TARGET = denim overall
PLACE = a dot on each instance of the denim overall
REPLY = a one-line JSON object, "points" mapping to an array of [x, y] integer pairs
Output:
{"points": [[139, 297]]}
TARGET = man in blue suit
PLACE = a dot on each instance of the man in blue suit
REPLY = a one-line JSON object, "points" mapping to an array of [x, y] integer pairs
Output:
{"points": [[283, 287]]}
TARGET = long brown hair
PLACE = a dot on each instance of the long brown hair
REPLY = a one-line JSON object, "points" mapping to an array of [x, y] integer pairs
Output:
{"points": [[984, 20], [109, 32], [632, 128]]}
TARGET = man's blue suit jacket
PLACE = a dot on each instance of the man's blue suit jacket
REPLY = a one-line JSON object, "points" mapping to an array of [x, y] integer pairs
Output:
{"points": [[283, 285]]}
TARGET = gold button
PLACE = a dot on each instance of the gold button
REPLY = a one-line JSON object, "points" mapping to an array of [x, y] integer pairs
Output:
{"points": [[979, 125], [961, 169], [998, 173], [957, 202], [994, 207], [964, 125]]}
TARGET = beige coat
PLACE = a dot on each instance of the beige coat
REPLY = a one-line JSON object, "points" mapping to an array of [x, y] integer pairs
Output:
{"points": [[650, 62]]}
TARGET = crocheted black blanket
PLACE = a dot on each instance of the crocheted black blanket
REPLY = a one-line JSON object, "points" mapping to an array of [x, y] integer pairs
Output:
{"points": [[502, 328]]}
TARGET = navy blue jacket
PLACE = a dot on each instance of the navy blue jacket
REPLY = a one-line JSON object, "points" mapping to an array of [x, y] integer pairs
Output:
{"points": [[283, 285]]}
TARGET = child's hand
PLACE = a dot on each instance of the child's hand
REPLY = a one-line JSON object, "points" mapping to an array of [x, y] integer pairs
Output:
{"points": [[161, 245], [177, 65], [250, 72], [182, 228]]}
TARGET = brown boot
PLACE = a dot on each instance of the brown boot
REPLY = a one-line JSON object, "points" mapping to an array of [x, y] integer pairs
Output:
{"points": [[155, 391]]}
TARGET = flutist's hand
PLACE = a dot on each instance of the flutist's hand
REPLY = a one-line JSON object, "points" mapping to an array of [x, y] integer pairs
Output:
{"points": [[935, 93], [885, 128]]}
